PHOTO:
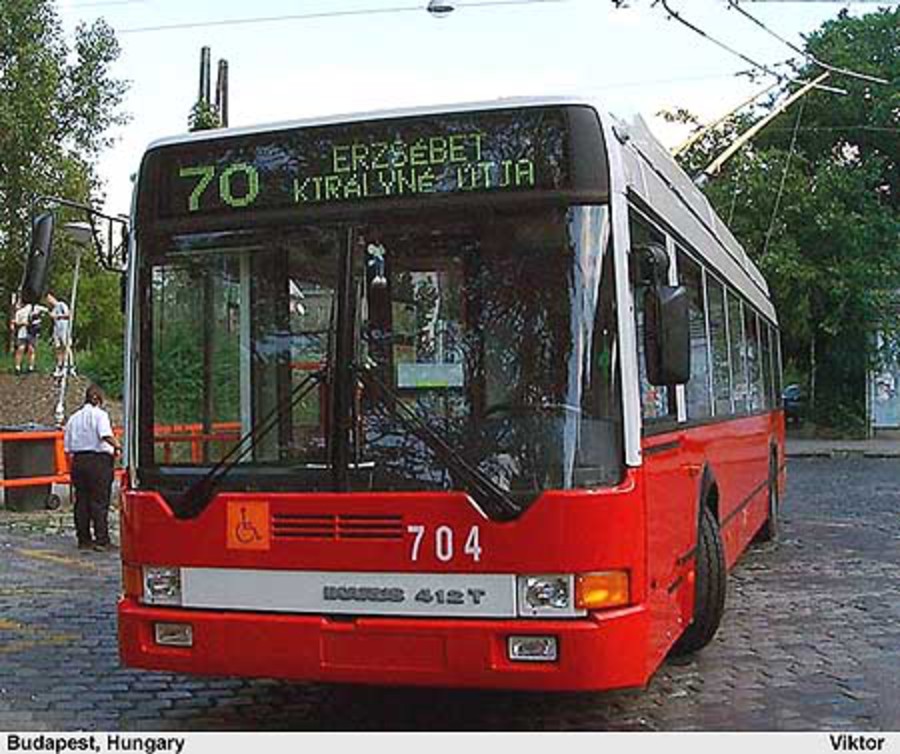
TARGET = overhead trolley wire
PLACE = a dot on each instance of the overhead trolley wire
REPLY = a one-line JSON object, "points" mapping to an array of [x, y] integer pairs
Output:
{"points": [[784, 174], [268, 19], [104, 2], [747, 59], [323, 14], [697, 30], [863, 127], [811, 58]]}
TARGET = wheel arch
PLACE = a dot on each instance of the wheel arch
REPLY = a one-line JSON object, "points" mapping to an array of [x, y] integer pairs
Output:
{"points": [[777, 464], [709, 493], [774, 455]]}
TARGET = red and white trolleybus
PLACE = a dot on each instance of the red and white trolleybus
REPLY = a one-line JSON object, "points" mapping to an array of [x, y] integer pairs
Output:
{"points": [[479, 395]]}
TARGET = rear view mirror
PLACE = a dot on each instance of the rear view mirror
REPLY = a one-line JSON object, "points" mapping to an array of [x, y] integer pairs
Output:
{"points": [[37, 263], [667, 338]]}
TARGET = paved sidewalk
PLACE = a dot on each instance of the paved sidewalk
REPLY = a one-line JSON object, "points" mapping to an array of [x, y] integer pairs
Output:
{"points": [[805, 448]]}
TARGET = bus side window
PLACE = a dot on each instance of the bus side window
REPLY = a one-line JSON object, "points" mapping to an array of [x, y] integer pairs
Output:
{"points": [[718, 331], [765, 333], [699, 404], [777, 364], [657, 401], [738, 352], [753, 359]]}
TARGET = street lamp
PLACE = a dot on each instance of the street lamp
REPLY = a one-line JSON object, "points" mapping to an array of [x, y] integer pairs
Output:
{"points": [[80, 232], [83, 235]]}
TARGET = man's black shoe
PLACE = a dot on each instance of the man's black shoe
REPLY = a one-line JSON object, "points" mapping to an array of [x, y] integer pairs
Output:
{"points": [[108, 547], [85, 545]]}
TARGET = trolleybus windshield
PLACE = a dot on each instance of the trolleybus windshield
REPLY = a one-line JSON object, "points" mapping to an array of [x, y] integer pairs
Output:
{"points": [[498, 331]]}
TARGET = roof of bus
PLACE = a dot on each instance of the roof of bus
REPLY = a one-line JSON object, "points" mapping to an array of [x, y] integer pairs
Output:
{"points": [[404, 112], [650, 172]]}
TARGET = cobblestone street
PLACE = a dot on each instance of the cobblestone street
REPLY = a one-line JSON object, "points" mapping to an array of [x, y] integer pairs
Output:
{"points": [[810, 641]]}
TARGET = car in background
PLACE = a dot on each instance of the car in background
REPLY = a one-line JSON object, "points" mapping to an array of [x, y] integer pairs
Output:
{"points": [[793, 399]]}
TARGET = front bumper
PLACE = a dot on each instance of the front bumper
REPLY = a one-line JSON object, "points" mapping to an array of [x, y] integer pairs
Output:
{"points": [[603, 651]]}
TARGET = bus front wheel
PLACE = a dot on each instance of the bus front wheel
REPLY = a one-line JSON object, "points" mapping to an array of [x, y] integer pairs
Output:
{"points": [[709, 586]]}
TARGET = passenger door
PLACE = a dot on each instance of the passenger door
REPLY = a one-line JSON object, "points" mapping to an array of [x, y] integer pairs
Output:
{"points": [[670, 483]]}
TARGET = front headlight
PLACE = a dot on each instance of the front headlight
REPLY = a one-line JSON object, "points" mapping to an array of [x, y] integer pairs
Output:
{"points": [[162, 585], [547, 595]]}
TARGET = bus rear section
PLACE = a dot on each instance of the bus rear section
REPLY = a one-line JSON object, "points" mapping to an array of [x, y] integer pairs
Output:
{"points": [[384, 400]]}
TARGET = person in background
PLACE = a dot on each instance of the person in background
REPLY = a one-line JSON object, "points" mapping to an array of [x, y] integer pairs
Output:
{"points": [[34, 330], [26, 326], [18, 327], [91, 447], [61, 316]]}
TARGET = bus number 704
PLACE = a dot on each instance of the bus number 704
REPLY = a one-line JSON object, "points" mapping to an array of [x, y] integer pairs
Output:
{"points": [[443, 542]]}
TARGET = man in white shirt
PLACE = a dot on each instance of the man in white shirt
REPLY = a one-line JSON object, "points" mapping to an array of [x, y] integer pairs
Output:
{"points": [[61, 316], [91, 446]]}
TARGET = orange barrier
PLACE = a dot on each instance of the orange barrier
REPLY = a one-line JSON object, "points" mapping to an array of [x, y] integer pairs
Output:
{"points": [[61, 465], [169, 435], [61, 473], [172, 435]]}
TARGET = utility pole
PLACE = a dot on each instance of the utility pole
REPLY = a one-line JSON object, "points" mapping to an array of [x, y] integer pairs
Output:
{"points": [[222, 93], [207, 114], [204, 75]]}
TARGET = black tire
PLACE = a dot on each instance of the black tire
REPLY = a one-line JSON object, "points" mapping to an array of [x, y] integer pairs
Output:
{"points": [[709, 586], [769, 530], [52, 502]]}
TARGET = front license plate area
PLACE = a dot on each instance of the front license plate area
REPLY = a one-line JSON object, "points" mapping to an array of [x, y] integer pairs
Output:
{"points": [[346, 593]]}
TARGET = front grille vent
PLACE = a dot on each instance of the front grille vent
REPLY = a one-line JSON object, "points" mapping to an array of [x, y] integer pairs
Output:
{"points": [[341, 526]]}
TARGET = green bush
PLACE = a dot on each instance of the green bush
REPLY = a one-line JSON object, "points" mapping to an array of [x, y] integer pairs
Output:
{"points": [[105, 366]]}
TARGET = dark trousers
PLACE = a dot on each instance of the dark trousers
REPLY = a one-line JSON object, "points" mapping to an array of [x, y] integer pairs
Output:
{"points": [[92, 476]]}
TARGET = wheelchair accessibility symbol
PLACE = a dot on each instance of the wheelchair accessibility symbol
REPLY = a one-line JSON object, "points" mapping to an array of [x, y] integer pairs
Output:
{"points": [[246, 532], [247, 525]]}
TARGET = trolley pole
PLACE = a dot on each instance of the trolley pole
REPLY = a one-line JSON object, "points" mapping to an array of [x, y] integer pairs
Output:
{"points": [[716, 165]]}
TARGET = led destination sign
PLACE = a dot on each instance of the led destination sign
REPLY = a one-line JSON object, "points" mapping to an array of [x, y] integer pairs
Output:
{"points": [[497, 151], [432, 164]]}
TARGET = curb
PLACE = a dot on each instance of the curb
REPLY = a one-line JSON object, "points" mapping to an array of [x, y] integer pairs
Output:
{"points": [[842, 453]]}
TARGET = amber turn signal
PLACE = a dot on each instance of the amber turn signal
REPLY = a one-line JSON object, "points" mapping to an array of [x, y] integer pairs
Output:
{"points": [[132, 581], [596, 591]]}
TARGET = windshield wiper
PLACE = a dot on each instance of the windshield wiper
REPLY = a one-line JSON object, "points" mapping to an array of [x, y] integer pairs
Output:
{"points": [[199, 493], [495, 502]]}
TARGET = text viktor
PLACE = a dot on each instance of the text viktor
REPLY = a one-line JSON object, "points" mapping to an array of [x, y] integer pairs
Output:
{"points": [[847, 742]]}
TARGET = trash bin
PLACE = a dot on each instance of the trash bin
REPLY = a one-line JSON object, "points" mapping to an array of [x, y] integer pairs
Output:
{"points": [[28, 458]]}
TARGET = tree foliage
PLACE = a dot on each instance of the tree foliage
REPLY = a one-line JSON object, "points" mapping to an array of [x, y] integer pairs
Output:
{"points": [[57, 105], [815, 200], [204, 116]]}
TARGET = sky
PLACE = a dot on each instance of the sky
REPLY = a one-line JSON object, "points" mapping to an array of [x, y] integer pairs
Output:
{"points": [[636, 59]]}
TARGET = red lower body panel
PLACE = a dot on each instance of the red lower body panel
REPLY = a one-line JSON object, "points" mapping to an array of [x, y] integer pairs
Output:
{"points": [[603, 651]]}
